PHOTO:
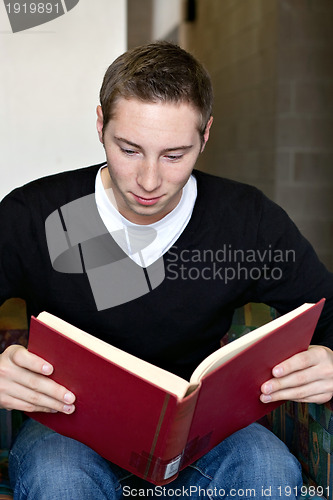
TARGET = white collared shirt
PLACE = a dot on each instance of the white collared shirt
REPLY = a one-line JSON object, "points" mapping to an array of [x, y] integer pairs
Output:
{"points": [[144, 244]]}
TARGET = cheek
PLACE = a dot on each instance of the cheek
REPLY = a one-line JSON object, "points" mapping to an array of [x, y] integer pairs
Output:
{"points": [[178, 174], [118, 165]]}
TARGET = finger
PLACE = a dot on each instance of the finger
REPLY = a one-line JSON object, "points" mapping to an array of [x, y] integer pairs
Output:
{"points": [[315, 355], [298, 362], [44, 386], [33, 390], [33, 400], [25, 359], [13, 403], [294, 379], [40, 383], [28, 377], [316, 398], [320, 390]]}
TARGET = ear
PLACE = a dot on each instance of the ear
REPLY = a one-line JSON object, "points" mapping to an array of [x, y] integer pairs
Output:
{"points": [[99, 123], [206, 133]]}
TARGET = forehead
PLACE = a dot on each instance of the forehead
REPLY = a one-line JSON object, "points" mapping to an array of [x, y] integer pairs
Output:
{"points": [[159, 118]]}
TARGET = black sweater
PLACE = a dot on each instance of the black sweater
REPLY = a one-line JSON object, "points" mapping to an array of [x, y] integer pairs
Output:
{"points": [[238, 247]]}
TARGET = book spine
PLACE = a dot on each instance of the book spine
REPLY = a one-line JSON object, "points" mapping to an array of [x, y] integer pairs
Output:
{"points": [[164, 466]]}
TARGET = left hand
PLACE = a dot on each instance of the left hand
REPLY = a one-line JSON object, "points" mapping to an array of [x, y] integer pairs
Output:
{"points": [[306, 377]]}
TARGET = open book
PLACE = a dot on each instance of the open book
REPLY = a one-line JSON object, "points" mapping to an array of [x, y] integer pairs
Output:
{"points": [[148, 420]]}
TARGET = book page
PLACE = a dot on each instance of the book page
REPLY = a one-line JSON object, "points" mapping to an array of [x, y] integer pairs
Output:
{"points": [[157, 376], [228, 351]]}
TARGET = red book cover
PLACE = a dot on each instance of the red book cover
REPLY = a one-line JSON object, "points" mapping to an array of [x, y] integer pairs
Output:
{"points": [[229, 396], [148, 430], [118, 414]]}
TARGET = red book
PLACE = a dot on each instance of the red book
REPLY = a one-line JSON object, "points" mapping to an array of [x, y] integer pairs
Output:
{"points": [[152, 422]]}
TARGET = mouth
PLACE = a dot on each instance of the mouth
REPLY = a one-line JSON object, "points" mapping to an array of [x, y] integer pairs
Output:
{"points": [[146, 201]]}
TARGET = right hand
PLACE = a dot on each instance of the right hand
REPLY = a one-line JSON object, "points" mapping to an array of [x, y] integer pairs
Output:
{"points": [[25, 386]]}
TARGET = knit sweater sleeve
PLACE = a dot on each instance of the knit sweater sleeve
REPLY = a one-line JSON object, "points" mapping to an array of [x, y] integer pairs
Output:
{"points": [[297, 275], [17, 243]]}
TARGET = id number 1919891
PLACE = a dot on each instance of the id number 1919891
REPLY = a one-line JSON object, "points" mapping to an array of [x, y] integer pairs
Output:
{"points": [[33, 8], [310, 491]]}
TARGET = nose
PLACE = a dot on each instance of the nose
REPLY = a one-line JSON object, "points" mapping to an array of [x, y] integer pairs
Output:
{"points": [[148, 176]]}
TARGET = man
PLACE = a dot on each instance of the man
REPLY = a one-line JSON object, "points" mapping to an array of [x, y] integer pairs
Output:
{"points": [[154, 121]]}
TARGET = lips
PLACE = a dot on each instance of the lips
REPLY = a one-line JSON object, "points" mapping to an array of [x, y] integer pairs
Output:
{"points": [[146, 201]]}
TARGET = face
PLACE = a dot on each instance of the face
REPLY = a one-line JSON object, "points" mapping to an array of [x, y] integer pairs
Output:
{"points": [[151, 149]]}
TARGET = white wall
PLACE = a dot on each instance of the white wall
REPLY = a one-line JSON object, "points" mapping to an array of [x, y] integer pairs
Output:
{"points": [[49, 87], [166, 16]]}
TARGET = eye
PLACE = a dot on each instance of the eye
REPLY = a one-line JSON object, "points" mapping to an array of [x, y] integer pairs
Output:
{"points": [[174, 157], [128, 152]]}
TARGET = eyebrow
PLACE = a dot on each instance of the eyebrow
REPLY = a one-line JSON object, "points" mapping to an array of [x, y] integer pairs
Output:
{"points": [[166, 150]]}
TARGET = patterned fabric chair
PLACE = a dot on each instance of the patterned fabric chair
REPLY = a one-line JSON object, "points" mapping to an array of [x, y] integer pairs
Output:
{"points": [[13, 330], [306, 428]]}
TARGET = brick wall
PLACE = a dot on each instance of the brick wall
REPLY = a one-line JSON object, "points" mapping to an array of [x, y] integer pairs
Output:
{"points": [[236, 41], [304, 139], [271, 63]]}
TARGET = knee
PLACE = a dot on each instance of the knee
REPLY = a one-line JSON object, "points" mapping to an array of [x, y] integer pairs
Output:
{"points": [[261, 454], [251, 458], [44, 464], [40, 453], [270, 458]]}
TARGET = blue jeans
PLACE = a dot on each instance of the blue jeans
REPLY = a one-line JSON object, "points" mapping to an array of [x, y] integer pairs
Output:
{"points": [[252, 463]]}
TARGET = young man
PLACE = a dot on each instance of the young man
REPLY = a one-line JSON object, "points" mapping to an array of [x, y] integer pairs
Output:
{"points": [[149, 208]]}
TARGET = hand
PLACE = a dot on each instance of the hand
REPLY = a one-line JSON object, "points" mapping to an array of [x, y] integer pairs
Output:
{"points": [[24, 384], [306, 377]]}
